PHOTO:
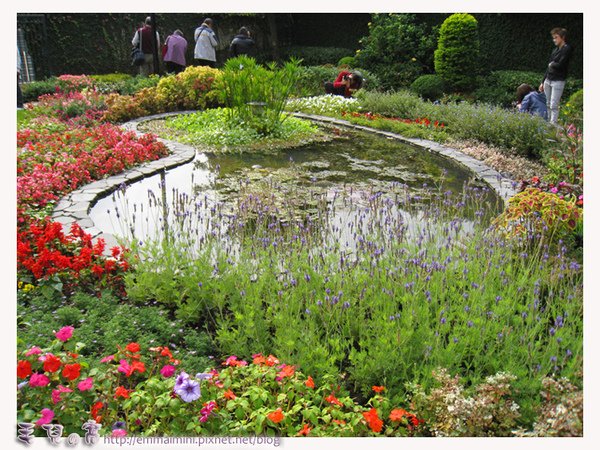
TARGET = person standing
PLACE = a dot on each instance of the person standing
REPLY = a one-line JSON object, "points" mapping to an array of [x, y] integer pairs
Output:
{"points": [[242, 44], [175, 55], [553, 84], [206, 43], [144, 35], [19, 93]]}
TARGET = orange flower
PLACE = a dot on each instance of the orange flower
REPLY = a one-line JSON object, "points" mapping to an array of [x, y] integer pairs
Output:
{"points": [[334, 401], [286, 371], [121, 392], [397, 414], [259, 359], [133, 347], [373, 420], [71, 371], [137, 365], [276, 416], [378, 389], [310, 383], [305, 430], [271, 361], [229, 395]]}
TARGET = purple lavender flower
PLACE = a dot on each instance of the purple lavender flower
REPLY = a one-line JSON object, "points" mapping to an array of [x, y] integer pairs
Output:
{"points": [[346, 305], [559, 322], [470, 323], [552, 331], [443, 320]]}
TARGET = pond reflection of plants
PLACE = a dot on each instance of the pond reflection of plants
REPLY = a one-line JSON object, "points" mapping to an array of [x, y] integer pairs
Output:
{"points": [[401, 302]]}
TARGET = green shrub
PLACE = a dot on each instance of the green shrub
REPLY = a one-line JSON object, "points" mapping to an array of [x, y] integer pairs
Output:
{"points": [[429, 87], [31, 91], [349, 61], [572, 111], [539, 217], [398, 49], [457, 54], [315, 56]]}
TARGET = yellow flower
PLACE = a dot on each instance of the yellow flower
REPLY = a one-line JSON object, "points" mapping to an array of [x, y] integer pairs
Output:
{"points": [[413, 59]]}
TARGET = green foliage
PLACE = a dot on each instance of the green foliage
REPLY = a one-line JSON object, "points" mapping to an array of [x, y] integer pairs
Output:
{"points": [[104, 322], [215, 129], [537, 217], [526, 134], [457, 56], [398, 49], [348, 61], [572, 111], [429, 87], [315, 56], [31, 91], [256, 95], [500, 87], [288, 290]]}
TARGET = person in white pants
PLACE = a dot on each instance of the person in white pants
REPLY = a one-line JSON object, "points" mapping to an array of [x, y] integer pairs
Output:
{"points": [[556, 73]]}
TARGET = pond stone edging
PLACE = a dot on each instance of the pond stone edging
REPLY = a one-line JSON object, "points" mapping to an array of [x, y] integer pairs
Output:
{"points": [[504, 187], [75, 206]]}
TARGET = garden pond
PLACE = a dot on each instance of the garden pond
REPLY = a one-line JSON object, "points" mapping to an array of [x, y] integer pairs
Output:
{"points": [[342, 176]]}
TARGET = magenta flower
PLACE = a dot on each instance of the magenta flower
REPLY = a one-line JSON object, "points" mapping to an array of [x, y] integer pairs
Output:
{"points": [[39, 380], [124, 367], [167, 371], [57, 392], [47, 416], [86, 384], [65, 333], [108, 358], [33, 351], [119, 432]]}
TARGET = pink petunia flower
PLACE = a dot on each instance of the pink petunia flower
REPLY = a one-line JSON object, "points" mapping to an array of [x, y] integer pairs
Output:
{"points": [[167, 371], [86, 384], [47, 416], [119, 432], [124, 367], [39, 380], [65, 333], [57, 392]]}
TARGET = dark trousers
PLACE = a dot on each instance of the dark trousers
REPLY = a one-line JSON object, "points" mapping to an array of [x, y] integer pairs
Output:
{"points": [[329, 89], [206, 62], [19, 93], [173, 67]]}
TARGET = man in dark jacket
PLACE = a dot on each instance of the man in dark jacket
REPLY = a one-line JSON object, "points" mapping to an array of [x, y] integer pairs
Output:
{"points": [[143, 39], [556, 73], [242, 44]]}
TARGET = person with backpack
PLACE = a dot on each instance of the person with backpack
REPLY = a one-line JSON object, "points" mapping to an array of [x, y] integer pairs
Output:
{"points": [[143, 39], [206, 43]]}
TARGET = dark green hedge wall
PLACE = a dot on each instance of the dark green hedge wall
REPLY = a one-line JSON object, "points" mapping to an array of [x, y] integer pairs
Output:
{"points": [[100, 43]]}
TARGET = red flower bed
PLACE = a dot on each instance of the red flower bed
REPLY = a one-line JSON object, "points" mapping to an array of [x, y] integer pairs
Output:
{"points": [[424, 121], [53, 163], [44, 251]]}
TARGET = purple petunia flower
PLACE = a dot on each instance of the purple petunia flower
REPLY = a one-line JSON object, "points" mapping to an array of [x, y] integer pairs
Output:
{"points": [[189, 390], [181, 378]]}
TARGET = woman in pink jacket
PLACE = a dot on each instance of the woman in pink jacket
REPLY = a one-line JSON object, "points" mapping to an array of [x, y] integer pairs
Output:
{"points": [[174, 57]]}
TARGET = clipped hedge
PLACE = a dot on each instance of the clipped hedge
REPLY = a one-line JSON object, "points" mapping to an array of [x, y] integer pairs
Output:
{"points": [[428, 87], [457, 54]]}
